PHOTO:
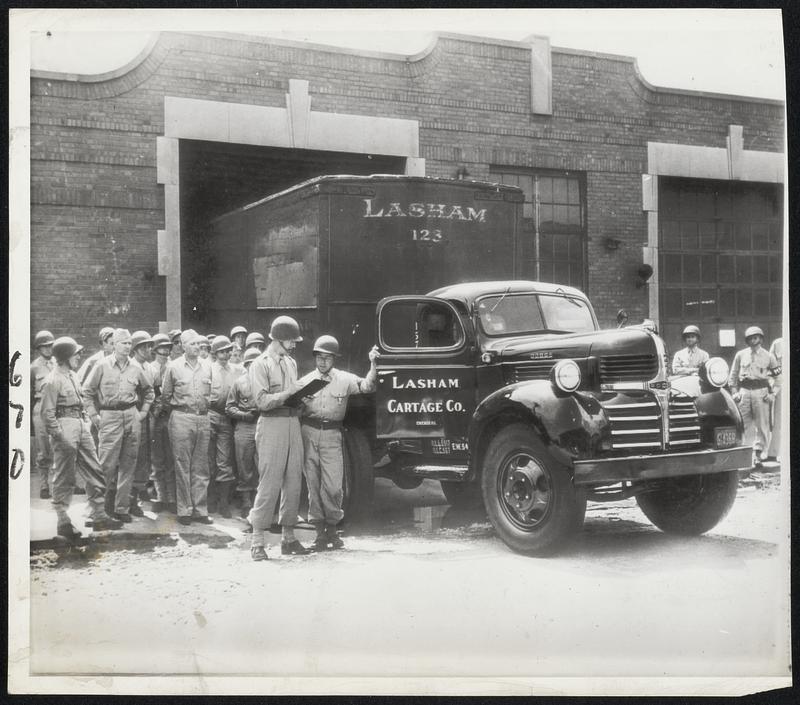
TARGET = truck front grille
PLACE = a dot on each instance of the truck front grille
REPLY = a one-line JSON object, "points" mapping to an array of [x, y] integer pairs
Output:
{"points": [[635, 425], [684, 424], [628, 368], [527, 371]]}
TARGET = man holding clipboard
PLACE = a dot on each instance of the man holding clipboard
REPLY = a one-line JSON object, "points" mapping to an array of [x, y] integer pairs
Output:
{"points": [[273, 379]]}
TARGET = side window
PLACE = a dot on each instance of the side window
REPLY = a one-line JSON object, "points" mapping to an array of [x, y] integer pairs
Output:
{"points": [[415, 325]]}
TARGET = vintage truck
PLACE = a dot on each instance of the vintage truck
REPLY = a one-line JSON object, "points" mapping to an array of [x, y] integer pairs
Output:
{"points": [[504, 390]]}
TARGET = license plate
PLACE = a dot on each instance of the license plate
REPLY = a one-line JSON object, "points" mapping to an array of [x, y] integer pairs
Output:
{"points": [[724, 437]]}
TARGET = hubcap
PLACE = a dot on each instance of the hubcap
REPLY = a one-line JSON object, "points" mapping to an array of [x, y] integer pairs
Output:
{"points": [[525, 492]]}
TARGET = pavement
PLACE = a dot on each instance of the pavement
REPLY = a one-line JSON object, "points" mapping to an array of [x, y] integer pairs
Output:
{"points": [[163, 528]]}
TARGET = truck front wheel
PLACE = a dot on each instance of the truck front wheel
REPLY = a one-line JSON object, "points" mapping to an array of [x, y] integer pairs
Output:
{"points": [[529, 497], [358, 481], [690, 505]]}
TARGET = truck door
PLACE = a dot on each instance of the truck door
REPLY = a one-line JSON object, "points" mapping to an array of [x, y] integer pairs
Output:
{"points": [[426, 374]]}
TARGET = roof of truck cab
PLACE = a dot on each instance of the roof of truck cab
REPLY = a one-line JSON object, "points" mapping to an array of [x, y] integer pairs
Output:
{"points": [[331, 182], [469, 292]]}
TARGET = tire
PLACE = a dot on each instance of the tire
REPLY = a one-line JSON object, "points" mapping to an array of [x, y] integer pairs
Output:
{"points": [[462, 495], [529, 497], [690, 505], [358, 482]]}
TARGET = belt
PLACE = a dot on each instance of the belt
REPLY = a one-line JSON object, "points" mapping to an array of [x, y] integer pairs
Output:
{"points": [[189, 410], [281, 411], [754, 384], [70, 412], [321, 424], [117, 407]]}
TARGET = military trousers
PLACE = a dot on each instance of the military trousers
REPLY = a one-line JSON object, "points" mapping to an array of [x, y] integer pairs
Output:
{"points": [[76, 449], [41, 442], [279, 444], [120, 435], [220, 448], [142, 473], [189, 435], [775, 436], [162, 460], [324, 468], [754, 408], [244, 440]]}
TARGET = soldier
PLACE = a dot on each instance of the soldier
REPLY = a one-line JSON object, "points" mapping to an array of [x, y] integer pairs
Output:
{"points": [[236, 356], [186, 389], [688, 360], [774, 452], [321, 424], [273, 378], [205, 348], [141, 348], [220, 448], [177, 346], [211, 355], [241, 408], [751, 381], [63, 414], [42, 366], [112, 396], [163, 466], [239, 336], [106, 350], [255, 340]]}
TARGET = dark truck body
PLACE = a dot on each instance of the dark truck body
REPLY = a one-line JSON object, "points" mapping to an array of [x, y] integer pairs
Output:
{"points": [[473, 379]]}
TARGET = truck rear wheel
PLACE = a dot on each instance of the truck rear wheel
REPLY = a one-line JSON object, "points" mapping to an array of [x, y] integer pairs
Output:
{"points": [[358, 482], [529, 497], [690, 505]]}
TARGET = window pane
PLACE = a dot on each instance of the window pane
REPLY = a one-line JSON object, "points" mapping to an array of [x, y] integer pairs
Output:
{"points": [[561, 247], [776, 302], [668, 201], [775, 272], [743, 269], [761, 303], [775, 236], [559, 190], [575, 248], [744, 303], [546, 216], [574, 195], [760, 269], [742, 236], [408, 324], [708, 235], [691, 269], [724, 203], [546, 271], [671, 235], [546, 246], [727, 303], [689, 235], [672, 303], [574, 215], [527, 210], [705, 204], [708, 304], [560, 215], [561, 272], [726, 239], [709, 271], [727, 273], [688, 202], [526, 184], [760, 233], [545, 189], [691, 304], [671, 269]]}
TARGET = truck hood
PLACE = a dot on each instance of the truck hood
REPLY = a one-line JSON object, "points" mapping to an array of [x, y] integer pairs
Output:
{"points": [[558, 346]]}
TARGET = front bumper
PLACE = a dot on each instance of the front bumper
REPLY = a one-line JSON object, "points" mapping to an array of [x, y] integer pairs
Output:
{"points": [[650, 467]]}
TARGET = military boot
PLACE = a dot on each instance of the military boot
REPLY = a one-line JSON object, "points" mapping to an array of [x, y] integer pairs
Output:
{"points": [[134, 509]]}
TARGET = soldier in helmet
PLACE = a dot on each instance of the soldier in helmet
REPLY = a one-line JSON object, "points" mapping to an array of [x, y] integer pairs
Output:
{"points": [[163, 466], [273, 378], [236, 356], [41, 367], [205, 348], [255, 340], [751, 381], [321, 424], [177, 346], [220, 447], [239, 336], [107, 348], [688, 360], [118, 395], [141, 352], [241, 408], [68, 425]]}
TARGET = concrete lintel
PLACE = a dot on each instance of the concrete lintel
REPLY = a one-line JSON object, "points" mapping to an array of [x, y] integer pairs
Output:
{"points": [[364, 135]]}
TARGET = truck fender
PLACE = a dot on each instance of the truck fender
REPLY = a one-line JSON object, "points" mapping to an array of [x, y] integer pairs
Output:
{"points": [[715, 406], [569, 425]]}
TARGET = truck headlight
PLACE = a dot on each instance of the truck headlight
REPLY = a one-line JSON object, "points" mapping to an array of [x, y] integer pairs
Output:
{"points": [[715, 372], [566, 375]]}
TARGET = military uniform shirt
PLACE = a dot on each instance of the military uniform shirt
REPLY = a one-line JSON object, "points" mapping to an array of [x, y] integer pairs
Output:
{"points": [[752, 365], [60, 388], [40, 368], [241, 404], [222, 379], [330, 402], [89, 364], [188, 386], [111, 384], [270, 375], [776, 349], [688, 360]]}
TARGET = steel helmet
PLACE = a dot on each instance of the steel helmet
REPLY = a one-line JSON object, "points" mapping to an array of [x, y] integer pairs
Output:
{"points": [[105, 333], [220, 344], [753, 330], [140, 337], [691, 330], [238, 329], [174, 333], [254, 338], [202, 341], [285, 328], [249, 356], [64, 348], [327, 344], [43, 337], [161, 340]]}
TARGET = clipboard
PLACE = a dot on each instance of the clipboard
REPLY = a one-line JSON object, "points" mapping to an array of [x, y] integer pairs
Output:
{"points": [[311, 388]]}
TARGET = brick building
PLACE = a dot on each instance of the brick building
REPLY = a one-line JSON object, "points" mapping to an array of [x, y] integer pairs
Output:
{"points": [[127, 167]]}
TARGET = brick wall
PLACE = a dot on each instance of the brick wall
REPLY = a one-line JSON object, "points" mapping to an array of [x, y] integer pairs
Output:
{"points": [[96, 205]]}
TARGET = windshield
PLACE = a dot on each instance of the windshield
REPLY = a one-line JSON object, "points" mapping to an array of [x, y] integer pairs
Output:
{"points": [[516, 314]]}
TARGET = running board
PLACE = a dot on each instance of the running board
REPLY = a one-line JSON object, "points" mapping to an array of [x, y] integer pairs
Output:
{"points": [[439, 472]]}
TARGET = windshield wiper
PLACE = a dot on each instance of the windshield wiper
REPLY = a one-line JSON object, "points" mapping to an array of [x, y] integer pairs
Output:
{"points": [[500, 300]]}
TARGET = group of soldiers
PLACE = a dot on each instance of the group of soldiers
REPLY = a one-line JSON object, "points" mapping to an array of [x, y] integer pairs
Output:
{"points": [[755, 382], [195, 420]]}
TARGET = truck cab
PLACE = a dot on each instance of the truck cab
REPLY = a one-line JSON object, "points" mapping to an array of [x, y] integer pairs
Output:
{"points": [[509, 394]]}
